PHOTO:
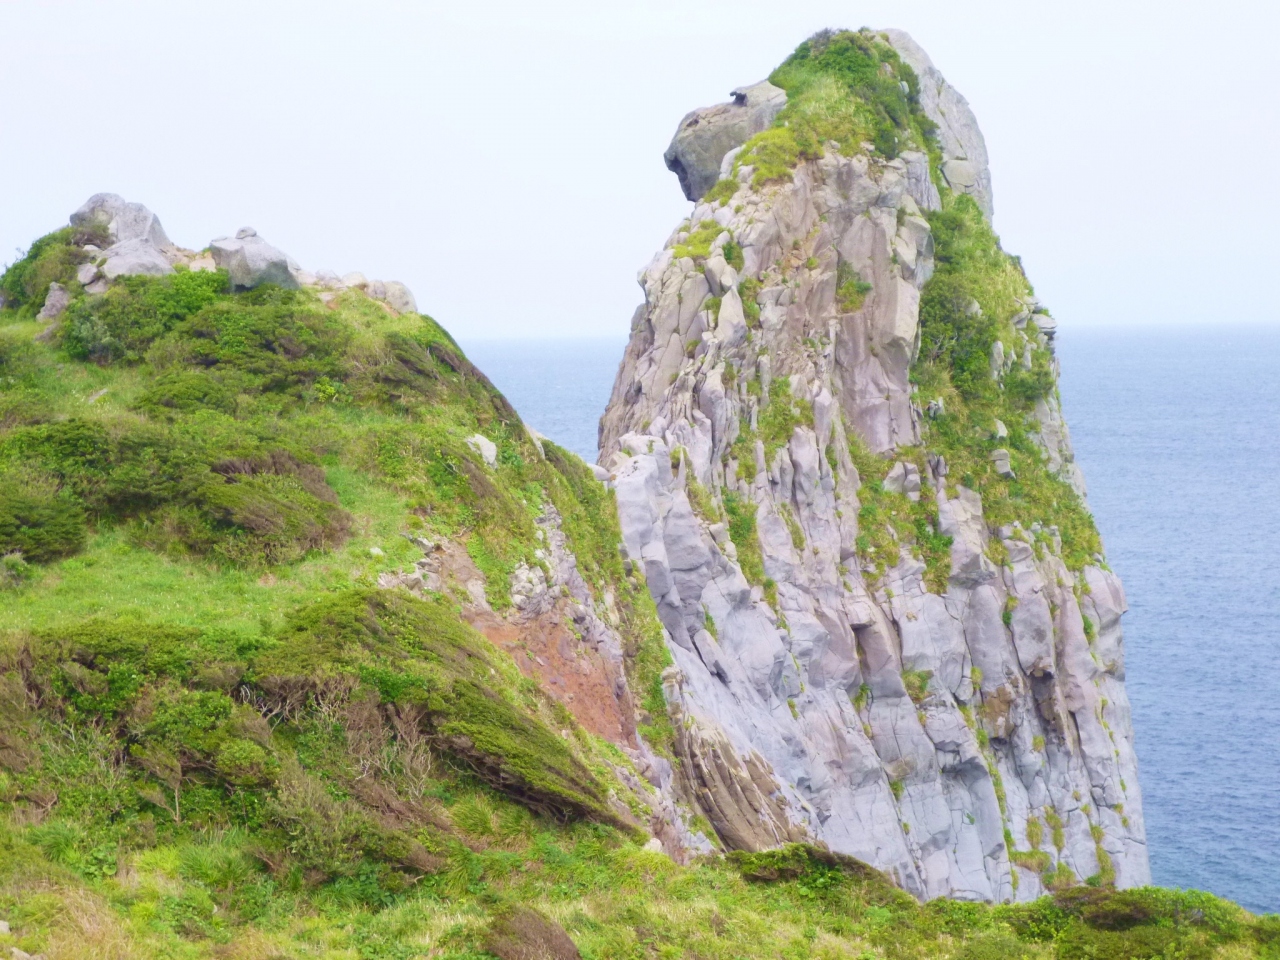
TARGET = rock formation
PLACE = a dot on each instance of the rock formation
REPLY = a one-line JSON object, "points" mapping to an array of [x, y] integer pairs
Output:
{"points": [[140, 247], [884, 640], [705, 136]]}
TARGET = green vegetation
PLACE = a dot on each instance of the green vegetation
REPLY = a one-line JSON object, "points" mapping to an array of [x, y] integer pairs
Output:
{"points": [[851, 289], [888, 521], [780, 416], [845, 88], [967, 306], [53, 258], [698, 243], [748, 290], [220, 739], [917, 684], [742, 531], [722, 192]]}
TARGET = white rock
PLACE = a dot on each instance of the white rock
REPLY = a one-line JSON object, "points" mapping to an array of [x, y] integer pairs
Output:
{"points": [[376, 552], [487, 449], [4, 926], [355, 279], [203, 264], [1001, 431], [86, 273], [123, 220], [376, 289], [98, 286], [251, 261], [400, 298], [138, 257]]}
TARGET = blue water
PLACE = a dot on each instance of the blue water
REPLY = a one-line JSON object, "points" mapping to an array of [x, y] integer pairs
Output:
{"points": [[1178, 433], [560, 387]]}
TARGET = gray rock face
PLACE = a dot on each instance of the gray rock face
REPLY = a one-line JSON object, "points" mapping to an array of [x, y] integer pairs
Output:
{"points": [[124, 220], [706, 135], [964, 151], [846, 706], [400, 298], [55, 302], [138, 256], [250, 261]]}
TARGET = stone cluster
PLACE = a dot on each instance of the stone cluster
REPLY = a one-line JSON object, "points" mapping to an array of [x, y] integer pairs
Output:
{"points": [[140, 247]]}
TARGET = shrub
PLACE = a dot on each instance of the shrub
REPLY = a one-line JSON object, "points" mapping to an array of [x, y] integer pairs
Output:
{"points": [[38, 521], [742, 531], [53, 257], [122, 323], [698, 244], [722, 192], [851, 289], [423, 656], [521, 933]]}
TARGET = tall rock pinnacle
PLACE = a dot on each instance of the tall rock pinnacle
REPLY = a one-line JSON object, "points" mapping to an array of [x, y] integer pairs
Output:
{"points": [[840, 463]]}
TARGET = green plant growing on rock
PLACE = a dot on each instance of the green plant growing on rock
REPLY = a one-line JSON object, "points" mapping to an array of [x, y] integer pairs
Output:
{"points": [[851, 289]]}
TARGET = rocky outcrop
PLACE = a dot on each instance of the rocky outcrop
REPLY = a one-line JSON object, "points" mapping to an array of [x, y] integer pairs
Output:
{"points": [[706, 135], [964, 151], [941, 728], [250, 261], [140, 247], [124, 220]]}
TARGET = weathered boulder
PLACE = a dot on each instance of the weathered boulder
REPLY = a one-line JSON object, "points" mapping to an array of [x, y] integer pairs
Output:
{"points": [[250, 261], [400, 298], [706, 135], [487, 449], [123, 220], [55, 302], [134, 257]]}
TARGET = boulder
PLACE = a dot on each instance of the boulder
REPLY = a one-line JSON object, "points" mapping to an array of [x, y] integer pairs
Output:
{"points": [[487, 449], [904, 478], [55, 302], [706, 135], [250, 261], [86, 273], [123, 220], [400, 298], [1004, 468], [133, 257]]}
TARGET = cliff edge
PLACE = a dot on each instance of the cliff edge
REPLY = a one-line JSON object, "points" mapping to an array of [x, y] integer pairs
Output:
{"points": [[840, 462]]}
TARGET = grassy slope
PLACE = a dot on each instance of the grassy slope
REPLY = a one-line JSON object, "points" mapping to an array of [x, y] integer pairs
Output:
{"points": [[217, 740]]}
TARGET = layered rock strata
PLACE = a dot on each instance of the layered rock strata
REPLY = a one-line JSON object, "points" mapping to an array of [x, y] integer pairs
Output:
{"points": [[971, 738]]}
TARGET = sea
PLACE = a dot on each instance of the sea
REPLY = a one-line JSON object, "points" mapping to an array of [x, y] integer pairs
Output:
{"points": [[1178, 434]]}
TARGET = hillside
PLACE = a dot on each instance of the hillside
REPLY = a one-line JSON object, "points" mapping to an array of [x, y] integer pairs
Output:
{"points": [[310, 648]]}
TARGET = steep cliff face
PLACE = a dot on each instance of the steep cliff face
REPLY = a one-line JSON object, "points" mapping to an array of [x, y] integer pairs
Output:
{"points": [[840, 463]]}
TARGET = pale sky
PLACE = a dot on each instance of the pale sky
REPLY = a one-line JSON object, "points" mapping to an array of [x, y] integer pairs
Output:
{"points": [[505, 159]]}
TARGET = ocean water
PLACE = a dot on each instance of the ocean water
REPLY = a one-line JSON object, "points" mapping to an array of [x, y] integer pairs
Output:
{"points": [[1178, 433]]}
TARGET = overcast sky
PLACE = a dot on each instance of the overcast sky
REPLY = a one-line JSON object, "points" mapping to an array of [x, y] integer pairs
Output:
{"points": [[505, 159]]}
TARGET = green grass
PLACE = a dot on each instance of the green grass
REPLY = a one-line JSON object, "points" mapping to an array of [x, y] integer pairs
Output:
{"points": [[954, 365]]}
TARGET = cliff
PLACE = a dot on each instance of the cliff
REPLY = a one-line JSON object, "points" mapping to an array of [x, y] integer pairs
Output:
{"points": [[310, 648], [839, 458]]}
